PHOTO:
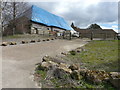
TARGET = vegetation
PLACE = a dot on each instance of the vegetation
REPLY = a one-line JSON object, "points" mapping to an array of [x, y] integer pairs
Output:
{"points": [[72, 52], [94, 26], [101, 55], [67, 83], [96, 55]]}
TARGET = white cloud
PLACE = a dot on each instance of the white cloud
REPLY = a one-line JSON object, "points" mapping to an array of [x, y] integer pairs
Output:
{"points": [[84, 12]]}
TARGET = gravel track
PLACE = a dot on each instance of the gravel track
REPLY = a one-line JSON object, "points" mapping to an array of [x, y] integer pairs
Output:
{"points": [[18, 62]]}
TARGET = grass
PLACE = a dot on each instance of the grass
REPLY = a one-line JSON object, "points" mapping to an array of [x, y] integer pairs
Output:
{"points": [[98, 55], [16, 36], [12, 36], [86, 84], [101, 55], [72, 52], [41, 73]]}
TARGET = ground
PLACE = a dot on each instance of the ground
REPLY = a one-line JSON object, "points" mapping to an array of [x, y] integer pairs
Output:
{"points": [[18, 62], [98, 55]]}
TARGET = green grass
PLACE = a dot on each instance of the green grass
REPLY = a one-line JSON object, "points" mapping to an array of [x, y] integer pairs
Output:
{"points": [[12, 36], [102, 55], [42, 74], [86, 84]]}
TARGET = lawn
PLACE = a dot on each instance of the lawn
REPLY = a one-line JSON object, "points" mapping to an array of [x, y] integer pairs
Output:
{"points": [[98, 55]]}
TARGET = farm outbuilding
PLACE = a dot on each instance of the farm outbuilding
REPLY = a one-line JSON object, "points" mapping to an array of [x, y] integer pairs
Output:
{"points": [[38, 21], [96, 33]]}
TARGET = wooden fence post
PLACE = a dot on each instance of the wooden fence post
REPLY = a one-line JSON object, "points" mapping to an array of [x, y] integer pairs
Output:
{"points": [[63, 35], [91, 36], [70, 36], [79, 35]]}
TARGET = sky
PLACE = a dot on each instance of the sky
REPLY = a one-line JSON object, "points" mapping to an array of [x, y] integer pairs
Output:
{"points": [[84, 12]]}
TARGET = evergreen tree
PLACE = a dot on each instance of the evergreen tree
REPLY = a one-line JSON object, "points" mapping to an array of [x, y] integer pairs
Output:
{"points": [[94, 26]]}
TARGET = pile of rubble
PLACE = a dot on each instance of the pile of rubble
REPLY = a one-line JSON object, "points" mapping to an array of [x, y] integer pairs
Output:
{"points": [[75, 51], [74, 72]]}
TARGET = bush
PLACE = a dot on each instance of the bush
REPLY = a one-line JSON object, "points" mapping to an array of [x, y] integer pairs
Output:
{"points": [[72, 52]]}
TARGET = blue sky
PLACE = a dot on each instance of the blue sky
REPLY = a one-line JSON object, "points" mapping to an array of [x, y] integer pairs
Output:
{"points": [[110, 26]]}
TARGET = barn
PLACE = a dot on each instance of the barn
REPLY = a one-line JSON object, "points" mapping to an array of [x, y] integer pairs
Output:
{"points": [[96, 33], [38, 21]]}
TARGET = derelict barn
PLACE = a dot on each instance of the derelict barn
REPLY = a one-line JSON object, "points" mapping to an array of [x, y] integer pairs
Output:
{"points": [[37, 21], [96, 33]]}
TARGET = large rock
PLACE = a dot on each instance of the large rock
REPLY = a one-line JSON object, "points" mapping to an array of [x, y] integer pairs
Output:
{"points": [[38, 40], [96, 77], [76, 75], [4, 44], [47, 39], [79, 49], [32, 41], [74, 67], [43, 40], [63, 53], [24, 42], [46, 65], [115, 79], [83, 72], [65, 68], [12, 43], [47, 58], [59, 73], [52, 39]]}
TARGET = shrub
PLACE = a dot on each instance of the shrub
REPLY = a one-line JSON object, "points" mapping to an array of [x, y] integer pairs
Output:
{"points": [[72, 52]]}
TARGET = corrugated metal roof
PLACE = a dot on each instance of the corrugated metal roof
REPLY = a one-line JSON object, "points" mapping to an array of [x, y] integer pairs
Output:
{"points": [[40, 15]]}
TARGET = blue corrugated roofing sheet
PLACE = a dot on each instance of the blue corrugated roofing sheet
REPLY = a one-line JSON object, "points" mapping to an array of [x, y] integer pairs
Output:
{"points": [[42, 16]]}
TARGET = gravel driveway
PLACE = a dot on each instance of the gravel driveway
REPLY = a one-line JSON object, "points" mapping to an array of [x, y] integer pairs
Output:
{"points": [[18, 62]]}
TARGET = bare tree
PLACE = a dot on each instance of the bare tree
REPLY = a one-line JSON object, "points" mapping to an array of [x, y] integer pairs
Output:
{"points": [[10, 11]]}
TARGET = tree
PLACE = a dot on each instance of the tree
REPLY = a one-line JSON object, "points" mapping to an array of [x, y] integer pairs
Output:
{"points": [[94, 26], [10, 11], [72, 25]]}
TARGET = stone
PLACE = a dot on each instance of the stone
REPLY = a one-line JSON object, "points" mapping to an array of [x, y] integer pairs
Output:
{"points": [[4, 44], [47, 39], [38, 40], [53, 63], [12, 43], [32, 41], [43, 40], [72, 52], [78, 50], [115, 79], [75, 75], [47, 58], [96, 77], [83, 72], [24, 42], [64, 68], [52, 39], [46, 65], [59, 73], [63, 65], [43, 66], [74, 67], [63, 53]]}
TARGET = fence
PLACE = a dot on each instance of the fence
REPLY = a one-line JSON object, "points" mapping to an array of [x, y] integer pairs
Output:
{"points": [[98, 35]]}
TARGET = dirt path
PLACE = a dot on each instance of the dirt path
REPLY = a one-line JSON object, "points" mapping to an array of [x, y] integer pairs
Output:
{"points": [[19, 61]]}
